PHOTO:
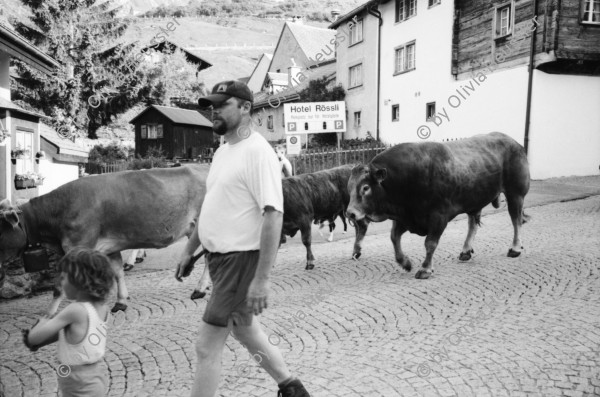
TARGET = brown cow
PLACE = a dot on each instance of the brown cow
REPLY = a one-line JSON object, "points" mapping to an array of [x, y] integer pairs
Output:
{"points": [[110, 213]]}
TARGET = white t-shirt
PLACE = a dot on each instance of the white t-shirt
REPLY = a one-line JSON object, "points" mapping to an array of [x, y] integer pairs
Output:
{"points": [[243, 179]]}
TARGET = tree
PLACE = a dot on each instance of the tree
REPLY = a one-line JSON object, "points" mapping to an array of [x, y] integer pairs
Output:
{"points": [[171, 78], [81, 36]]}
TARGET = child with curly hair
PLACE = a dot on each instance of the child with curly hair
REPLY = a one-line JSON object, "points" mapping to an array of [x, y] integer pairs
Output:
{"points": [[87, 279]]}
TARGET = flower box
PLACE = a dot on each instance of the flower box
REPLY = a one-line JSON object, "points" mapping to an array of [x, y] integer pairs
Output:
{"points": [[24, 183]]}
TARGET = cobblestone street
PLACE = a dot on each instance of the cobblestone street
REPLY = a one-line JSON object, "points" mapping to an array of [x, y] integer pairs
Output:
{"points": [[492, 326]]}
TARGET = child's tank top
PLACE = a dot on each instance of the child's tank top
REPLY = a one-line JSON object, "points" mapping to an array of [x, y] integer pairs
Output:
{"points": [[91, 349]]}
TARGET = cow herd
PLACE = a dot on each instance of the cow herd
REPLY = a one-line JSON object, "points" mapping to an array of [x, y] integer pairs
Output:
{"points": [[419, 186]]}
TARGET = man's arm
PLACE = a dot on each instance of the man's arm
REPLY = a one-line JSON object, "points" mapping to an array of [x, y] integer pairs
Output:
{"points": [[269, 243], [192, 245]]}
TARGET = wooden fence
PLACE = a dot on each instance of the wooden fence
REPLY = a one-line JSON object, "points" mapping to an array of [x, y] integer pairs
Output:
{"points": [[312, 160], [106, 168]]}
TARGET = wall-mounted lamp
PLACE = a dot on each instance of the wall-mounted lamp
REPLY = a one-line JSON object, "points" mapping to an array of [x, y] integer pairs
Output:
{"points": [[39, 156]]}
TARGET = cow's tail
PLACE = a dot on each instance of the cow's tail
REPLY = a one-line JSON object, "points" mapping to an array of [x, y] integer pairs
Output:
{"points": [[526, 218]]}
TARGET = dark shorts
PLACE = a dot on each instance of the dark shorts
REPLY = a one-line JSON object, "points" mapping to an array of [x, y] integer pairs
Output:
{"points": [[231, 276]]}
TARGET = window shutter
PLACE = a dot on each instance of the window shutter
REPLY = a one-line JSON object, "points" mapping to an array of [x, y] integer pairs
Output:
{"points": [[144, 132]]}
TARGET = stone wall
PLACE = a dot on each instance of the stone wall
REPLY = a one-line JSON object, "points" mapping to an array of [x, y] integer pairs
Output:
{"points": [[18, 283]]}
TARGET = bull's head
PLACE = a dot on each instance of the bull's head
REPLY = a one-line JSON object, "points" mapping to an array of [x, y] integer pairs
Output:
{"points": [[366, 193], [12, 237]]}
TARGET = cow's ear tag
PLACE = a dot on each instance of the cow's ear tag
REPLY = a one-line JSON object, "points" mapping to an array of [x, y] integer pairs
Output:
{"points": [[380, 175]]}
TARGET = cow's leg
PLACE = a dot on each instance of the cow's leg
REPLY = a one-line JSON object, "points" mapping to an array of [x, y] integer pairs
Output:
{"points": [[306, 240], [122, 294], [331, 229], [361, 230], [321, 226], [467, 250], [343, 217], [515, 209], [436, 228], [397, 231], [203, 285]]}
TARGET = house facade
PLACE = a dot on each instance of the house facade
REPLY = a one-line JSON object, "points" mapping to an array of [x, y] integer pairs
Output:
{"points": [[450, 70], [357, 41], [19, 128]]}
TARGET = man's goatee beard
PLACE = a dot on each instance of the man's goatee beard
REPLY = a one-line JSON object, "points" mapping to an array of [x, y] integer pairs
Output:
{"points": [[221, 129]]}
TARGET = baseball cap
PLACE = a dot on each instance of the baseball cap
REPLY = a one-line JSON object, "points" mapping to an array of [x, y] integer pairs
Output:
{"points": [[225, 90]]}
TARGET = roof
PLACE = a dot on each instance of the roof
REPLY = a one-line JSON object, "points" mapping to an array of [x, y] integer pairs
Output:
{"points": [[263, 99], [65, 147], [278, 78], [312, 40], [190, 56], [19, 47], [352, 13], [6, 104], [178, 116]]}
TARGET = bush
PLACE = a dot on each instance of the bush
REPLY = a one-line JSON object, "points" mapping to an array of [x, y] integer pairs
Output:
{"points": [[110, 153], [154, 158]]}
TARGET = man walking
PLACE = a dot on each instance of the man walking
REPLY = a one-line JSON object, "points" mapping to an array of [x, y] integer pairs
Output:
{"points": [[240, 226]]}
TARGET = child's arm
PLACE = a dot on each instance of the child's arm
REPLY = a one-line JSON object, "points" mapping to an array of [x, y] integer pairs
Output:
{"points": [[46, 330]]}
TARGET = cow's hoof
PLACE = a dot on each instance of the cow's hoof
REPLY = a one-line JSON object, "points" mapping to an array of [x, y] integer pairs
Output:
{"points": [[423, 274], [330, 239], [197, 295], [309, 266], [119, 307], [465, 256], [406, 264], [512, 253], [356, 255]]}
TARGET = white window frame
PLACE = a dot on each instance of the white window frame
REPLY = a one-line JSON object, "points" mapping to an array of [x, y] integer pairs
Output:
{"points": [[395, 112], [404, 8], [405, 57], [24, 140], [589, 4], [504, 19], [433, 3], [357, 119], [355, 76], [356, 33]]}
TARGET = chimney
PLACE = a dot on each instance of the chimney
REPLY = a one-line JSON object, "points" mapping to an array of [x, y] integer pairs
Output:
{"points": [[335, 14], [293, 75]]}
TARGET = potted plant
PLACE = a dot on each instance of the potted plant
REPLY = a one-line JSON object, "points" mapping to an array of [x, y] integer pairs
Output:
{"points": [[28, 179], [3, 134]]}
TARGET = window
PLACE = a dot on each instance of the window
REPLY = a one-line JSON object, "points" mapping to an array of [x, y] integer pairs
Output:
{"points": [[144, 132], [270, 122], [152, 131], [405, 9], [395, 112], [405, 58], [429, 110], [356, 119], [503, 20], [159, 131], [590, 10], [355, 76], [434, 2], [356, 33], [24, 140]]}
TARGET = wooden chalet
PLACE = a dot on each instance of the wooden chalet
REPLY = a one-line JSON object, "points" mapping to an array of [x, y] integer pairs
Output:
{"points": [[180, 133]]}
